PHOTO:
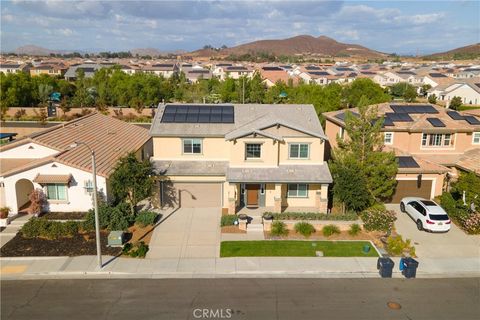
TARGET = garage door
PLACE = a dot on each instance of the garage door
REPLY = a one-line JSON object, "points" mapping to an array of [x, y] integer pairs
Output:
{"points": [[409, 188], [199, 195]]}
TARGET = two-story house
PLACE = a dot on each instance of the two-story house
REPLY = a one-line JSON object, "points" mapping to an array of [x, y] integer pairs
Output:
{"points": [[430, 143], [240, 155]]}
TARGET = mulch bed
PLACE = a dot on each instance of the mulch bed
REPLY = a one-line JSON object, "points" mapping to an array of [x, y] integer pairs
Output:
{"points": [[79, 245], [232, 229], [64, 215]]}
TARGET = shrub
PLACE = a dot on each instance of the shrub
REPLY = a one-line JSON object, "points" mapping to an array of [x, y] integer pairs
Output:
{"points": [[138, 251], [228, 220], [38, 201], [146, 218], [304, 228], [378, 220], [126, 248], [354, 229], [471, 224], [396, 246], [40, 227], [110, 218], [279, 229], [455, 209], [4, 211], [313, 216], [330, 230]]}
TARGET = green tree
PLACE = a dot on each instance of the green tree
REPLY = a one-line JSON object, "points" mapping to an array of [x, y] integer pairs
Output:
{"points": [[132, 181], [424, 89], [455, 103], [470, 184], [367, 88], [432, 99], [410, 94], [404, 90]]}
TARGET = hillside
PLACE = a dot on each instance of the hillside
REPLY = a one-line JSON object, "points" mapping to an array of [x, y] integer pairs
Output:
{"points": [[299, 45], [467, 52]]}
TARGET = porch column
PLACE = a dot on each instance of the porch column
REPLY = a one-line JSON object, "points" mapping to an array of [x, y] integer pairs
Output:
{"points": [[277, 198], [321, 199], [232, 198]]}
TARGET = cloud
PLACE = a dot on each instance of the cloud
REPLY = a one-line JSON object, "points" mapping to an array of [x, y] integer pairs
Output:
{"points": [[419, 19]]}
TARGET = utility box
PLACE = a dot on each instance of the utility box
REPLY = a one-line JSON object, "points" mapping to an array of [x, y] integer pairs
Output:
{"points": [[116, 238]]}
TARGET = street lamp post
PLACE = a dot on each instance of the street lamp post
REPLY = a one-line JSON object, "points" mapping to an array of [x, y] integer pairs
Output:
{"points": [[95, 201]]}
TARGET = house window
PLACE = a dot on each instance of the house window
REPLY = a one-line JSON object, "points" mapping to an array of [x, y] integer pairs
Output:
{"points": [[342, 133], [298, 190], [437, 140], [192, 146], [253, 151], [299, 150], [476, 138], [388, 138], [56, 191]]}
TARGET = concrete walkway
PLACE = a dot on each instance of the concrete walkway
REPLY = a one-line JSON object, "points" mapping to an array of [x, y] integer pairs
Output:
{"points": [[187, 233], [277, 267]]}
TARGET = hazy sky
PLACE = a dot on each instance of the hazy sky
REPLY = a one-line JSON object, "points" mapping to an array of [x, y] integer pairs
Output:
{"points": [[388, 26]]}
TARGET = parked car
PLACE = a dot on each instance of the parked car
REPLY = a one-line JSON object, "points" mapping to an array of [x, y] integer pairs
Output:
{"points": [[427, 214]]}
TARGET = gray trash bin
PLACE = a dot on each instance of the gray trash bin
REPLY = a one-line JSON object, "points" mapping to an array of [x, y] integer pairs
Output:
{"points": [[410, 266], [385, 267]]}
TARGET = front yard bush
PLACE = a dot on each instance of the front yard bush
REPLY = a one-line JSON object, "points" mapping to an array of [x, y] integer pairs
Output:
{"points": [[279, 229], [43, 228], [396, 246], [330, 230], [471, 224], [304, 228], [139, 250], [378, 220], [354, 229], [313, 216], [111, 218], [146, 218], [228, 220]]}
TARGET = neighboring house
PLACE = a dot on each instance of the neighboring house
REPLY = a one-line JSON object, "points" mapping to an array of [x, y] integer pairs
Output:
{"points": [[469, 92], [88, 69], [223, 71], [468, 73], [7, 68], [130, 70], [429, 141], [195, 73], [232, 156], [46, 160], [165, 70], [55, 70], [271, 75]]}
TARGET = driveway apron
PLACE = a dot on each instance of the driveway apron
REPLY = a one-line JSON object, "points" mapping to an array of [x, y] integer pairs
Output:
{"points": [[187, 233]]}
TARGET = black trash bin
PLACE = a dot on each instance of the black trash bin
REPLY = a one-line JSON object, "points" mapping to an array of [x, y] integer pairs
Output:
{"points": [[410, 266], [385, 267]]}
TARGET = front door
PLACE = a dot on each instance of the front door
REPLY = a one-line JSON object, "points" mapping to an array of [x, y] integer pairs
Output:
{"points": [[252, 194]]}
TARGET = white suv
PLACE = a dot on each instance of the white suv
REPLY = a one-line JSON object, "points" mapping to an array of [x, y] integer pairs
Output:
{"points": [[426, 213]]}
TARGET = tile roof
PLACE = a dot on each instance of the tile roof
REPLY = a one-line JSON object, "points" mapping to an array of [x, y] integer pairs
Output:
{"points": [[110, 138], [470, 161], [188, 168], [282, 174], [247, 118]]}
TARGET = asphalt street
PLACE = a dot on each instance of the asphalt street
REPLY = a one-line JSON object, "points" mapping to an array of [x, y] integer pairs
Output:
{"points": [[241, 299]]}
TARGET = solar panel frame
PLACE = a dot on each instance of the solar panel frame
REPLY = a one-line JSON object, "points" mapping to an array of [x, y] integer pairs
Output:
{"points": [[387, 122], [198, 114], [437, 123], [424, 108], [407, 162], [455, 115], [472, 120]]}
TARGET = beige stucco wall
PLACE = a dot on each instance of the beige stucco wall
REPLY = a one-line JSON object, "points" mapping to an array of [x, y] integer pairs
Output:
{"points": [[170, 148]]}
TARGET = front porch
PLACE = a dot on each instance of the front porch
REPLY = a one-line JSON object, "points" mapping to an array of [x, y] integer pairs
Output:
{"points": [[257, 198]]}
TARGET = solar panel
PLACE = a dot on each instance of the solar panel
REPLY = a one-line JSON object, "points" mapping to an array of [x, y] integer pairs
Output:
{"points": [[198, 114], [387, 122], [436, 122], [407, 162], [272, 69], [398, 117], [319, 73], [422, 108], [455, 115], [341, 115], [472, 120]]}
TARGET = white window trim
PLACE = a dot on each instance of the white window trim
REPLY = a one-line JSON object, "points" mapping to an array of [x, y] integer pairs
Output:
{"points": [[453, 140], [299, 143], [297, 196], [45, 191], [192, 153], [253, 158], [391, 138], [473, 138]]}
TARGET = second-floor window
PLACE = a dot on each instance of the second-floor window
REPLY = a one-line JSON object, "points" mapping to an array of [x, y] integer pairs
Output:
{"points": [[192, 146], [437, 140], [476, 138], [253, 151], [388, 138], [299, 150]]}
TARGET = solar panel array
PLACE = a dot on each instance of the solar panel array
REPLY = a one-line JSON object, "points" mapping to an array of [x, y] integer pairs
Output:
{"points": [[400, 117], [419, 108], [437, 75], [341, 115], [407, 162], [312, 68], [455, 115], [198, 114], [471, 120], [387, 122], [272, 69], [319, 73], [436, 122]]}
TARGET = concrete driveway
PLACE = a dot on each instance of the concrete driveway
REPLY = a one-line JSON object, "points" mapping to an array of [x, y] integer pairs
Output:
{"points": [[187, 233], [453, 244]]}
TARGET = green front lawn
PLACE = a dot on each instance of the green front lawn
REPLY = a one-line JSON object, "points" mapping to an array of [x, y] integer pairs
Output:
{"points": [[288, 248]]}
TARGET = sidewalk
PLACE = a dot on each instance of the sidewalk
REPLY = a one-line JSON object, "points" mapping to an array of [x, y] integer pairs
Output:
{"points": [[84, 267]]}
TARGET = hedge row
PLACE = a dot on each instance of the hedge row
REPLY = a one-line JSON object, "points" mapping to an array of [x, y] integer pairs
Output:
{"points": [[313, 216]]}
